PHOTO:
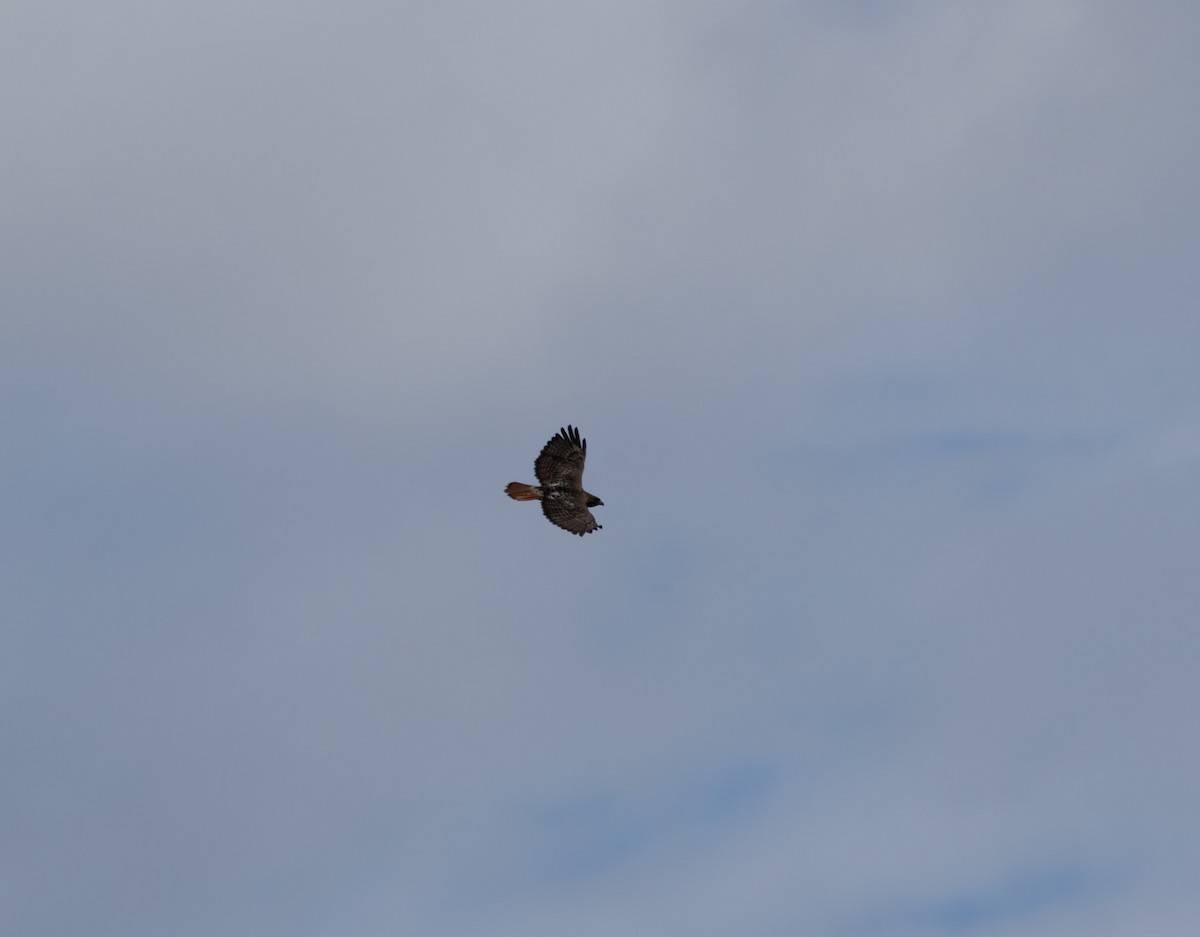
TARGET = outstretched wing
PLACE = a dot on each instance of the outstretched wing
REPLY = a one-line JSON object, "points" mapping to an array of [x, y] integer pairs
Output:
{"points": [[560, 464], [565, 508]]}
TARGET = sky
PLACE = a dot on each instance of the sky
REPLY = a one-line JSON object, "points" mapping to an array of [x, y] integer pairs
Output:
{"points": [[881, 323]]}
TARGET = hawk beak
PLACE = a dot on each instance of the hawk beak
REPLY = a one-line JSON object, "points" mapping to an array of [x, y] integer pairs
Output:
{"points": [[599, 503]]}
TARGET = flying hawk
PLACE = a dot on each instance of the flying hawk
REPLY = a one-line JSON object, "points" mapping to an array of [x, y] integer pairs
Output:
{"points": [[559, 468]]}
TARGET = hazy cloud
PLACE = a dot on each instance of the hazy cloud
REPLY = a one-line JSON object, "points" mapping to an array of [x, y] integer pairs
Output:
{"points": [[879, 321]]}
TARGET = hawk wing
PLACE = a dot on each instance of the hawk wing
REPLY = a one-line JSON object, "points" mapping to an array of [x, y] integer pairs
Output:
{"points": [[560, 464], [566, 509], [559, 468]]}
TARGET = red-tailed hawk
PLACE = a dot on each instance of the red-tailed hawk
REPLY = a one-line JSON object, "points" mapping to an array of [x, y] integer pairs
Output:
{"points": [[560, 470]]}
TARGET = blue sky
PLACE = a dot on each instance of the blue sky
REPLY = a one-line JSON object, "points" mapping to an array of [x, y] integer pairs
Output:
{"points": [[881, 323]]}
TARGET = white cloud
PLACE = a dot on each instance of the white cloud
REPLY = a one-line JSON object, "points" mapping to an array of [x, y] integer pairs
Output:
{"points": [[876, 321]]}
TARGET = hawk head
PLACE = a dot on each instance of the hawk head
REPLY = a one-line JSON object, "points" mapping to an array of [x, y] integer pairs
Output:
{"points": [[594, 502]]}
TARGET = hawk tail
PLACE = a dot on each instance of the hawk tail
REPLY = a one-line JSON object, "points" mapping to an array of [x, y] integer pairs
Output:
{"points": [[519, 491]]}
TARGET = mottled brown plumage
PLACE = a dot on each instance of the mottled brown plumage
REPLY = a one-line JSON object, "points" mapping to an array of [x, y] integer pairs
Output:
{"points": [[559, 468]]}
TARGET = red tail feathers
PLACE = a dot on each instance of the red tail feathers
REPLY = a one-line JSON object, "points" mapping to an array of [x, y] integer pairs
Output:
{"points": [[519, 491]]}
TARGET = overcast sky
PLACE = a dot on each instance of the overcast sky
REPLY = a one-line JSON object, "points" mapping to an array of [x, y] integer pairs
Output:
{"points": [[881, 322]]}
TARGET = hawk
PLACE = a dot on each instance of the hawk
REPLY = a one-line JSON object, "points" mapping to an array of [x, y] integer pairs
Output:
{"points": [[559, 468]]}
